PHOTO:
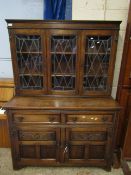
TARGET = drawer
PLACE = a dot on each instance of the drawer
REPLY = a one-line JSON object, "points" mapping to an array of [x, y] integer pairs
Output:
{"points": [[44, 118], [89, 118]]}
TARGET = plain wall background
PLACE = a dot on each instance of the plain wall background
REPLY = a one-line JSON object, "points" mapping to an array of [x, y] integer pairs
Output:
{"points": [[14, 9], [81, 10]]}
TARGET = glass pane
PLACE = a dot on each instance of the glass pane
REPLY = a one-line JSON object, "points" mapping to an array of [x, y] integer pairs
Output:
{"points": [[31, 82], [97, 56], [63, 44], [63, 60], [28, 43], [29, 60]]}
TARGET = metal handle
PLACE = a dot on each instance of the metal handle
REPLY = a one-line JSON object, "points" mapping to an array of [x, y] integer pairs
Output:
{"points": [[65, 152], [51, 119], [104, 119], [74, 119], [66, 149], [20, 118]]}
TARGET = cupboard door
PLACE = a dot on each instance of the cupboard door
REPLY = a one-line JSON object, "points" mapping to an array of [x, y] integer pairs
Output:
{"points": [[39, 146], [63, 60], [98, 62], [28, 54], [88, 146]]}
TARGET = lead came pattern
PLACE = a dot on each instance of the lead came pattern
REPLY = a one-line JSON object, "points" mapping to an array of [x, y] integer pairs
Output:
{"points": [[63, 44], [63, 64], [31, 82], [63, 82], [28, 43], [98, 49], [63, 50], [29, 61]]}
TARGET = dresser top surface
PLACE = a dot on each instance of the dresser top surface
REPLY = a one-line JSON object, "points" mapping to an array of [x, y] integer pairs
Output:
{"points": [[60, 21], [62, 24], [62, 103]]}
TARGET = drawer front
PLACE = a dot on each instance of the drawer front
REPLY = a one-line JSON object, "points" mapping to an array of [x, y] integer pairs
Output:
{"points": [[44, 118], [89, 118]]}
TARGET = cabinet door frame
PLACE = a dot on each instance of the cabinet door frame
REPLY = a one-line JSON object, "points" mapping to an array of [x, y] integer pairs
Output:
{"points": [[62, 32], [17, 142], [114, 35], [27, 32], [107, 159]]}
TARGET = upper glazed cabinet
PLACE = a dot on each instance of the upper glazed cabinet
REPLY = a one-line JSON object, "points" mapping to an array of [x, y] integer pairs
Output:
{"points": [[63, 57]]}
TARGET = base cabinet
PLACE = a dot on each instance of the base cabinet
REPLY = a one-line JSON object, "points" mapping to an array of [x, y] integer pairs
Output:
{"points": [[62, 139]]}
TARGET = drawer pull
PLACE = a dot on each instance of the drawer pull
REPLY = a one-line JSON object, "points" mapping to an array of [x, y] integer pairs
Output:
{"points": [[74, 119], [19, 119], [104, 119], [51, 119], [37, 136]]}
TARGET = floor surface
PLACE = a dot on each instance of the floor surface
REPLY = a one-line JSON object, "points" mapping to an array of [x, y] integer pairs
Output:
{"points": [[6, 168]]}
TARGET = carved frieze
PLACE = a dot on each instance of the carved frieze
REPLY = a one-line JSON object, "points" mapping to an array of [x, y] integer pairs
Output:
{"points": [[88, 136], [24, 135]]}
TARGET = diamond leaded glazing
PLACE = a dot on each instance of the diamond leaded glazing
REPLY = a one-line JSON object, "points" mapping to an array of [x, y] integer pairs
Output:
{"points": [[63, 56], [98, 49], [29, 59]]}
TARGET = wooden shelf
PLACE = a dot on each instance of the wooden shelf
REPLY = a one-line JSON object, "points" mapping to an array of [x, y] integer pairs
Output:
{"points": [[31, 74], [97, 75], [63, 75], [67, 53], [27, 52], [101, 53]]}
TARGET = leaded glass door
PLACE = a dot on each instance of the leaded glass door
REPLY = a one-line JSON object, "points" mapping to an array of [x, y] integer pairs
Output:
{"points": [[97, 63], [63, 61], [29, 54]]}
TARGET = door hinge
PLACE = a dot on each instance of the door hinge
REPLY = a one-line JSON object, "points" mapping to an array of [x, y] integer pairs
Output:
{"points": [[116, 38], [130, 75]]}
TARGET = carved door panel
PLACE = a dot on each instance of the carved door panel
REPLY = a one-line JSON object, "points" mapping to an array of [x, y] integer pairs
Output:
{"points": [[88, 145], [39, 144]]}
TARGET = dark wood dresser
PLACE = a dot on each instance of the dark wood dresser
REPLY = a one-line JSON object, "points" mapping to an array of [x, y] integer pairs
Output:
{"points": [[63, 113]]}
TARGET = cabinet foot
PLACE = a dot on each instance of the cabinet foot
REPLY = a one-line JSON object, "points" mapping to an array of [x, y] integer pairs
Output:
{"points": [[18, 167], [107, 168]]}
